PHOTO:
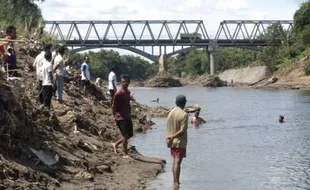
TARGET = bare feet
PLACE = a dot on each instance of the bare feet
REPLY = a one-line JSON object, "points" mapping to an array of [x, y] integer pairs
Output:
{"points": [[176, 186], [114, 148]]}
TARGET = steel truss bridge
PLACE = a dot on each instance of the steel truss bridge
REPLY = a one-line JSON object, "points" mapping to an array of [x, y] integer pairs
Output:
{"points": [[187, 34]]}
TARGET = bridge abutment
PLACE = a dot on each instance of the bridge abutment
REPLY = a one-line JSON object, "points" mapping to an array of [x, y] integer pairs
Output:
{"points": [[162, 63]]}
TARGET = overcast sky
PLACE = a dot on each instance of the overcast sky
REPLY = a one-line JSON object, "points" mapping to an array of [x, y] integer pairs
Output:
{"points": [[210, 11]]}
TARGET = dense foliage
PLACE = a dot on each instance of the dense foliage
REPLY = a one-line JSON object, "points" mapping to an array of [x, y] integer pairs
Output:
{"points": [[23, 14], [101, 62]]}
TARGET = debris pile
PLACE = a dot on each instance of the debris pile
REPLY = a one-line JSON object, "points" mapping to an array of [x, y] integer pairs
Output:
{"points": [[163, 79], [213, 81]]}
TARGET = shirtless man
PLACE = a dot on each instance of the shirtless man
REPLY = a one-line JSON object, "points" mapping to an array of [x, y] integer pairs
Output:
{"points": [[197, 120]]}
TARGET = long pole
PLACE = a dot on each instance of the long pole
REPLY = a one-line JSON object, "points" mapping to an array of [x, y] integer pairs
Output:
{"points": [[7, 40]]}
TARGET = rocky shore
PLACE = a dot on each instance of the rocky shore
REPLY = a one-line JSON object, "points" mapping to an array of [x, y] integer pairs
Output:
{"points": [[70, 146]]}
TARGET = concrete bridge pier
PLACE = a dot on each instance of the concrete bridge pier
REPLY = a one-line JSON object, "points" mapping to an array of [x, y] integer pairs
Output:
{"points": [[211, 56], [162, 60], [212, 50], [162, 63]]}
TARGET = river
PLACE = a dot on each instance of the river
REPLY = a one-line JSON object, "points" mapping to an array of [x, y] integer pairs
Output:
{"points": [[242, 146]]}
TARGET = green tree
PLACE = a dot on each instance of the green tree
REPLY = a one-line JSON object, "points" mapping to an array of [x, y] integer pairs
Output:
{"points": [[23, 14], [101, 62]]}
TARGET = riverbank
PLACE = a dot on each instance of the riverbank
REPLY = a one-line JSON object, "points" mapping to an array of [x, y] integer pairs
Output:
{"points": [[258, 77], [251, 77], [70, 146]]}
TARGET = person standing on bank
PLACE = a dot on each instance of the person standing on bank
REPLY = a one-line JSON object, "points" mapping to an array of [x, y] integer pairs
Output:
{"points": [[112, 82], [37, 64], [47, 81], [122, 114], [85, 76], [54, 54], [59, 66], [176, 139]]}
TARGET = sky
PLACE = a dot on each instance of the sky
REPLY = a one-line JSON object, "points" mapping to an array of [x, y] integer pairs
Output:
{"points": [[210, 11]]}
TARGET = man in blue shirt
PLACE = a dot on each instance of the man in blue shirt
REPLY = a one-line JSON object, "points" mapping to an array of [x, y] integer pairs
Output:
{"points": [[85, 75]]}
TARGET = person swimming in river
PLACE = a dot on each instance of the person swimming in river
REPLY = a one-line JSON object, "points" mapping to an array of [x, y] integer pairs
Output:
{"points": [[281, 119], [197, 120], [157, 100]]}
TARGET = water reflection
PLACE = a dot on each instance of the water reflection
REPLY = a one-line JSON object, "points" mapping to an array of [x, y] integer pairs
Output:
{"points": [[242, 145]]}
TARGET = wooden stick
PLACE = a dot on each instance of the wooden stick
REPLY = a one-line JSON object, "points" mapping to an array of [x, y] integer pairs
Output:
{"points": [[8, 40]]}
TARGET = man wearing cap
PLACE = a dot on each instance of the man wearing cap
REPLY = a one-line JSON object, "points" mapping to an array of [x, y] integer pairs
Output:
{"points": [[176, 139]]}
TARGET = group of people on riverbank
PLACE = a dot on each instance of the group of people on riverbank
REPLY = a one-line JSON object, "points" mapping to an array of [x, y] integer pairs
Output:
{"points": [[50, 69]]}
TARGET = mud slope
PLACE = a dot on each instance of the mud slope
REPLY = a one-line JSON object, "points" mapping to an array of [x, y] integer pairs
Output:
{"points": [[290, 78], [247, 75]]}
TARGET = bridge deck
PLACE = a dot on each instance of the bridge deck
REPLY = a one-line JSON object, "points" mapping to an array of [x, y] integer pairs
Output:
{"points": [[180, 42]]}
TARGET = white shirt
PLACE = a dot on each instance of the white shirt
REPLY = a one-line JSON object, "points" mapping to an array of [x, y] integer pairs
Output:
{"points": [[38, 62], [68, 69], [112, 77], [54, 54], [85, 68], [47, 69], [60, 62], [98, 80]]}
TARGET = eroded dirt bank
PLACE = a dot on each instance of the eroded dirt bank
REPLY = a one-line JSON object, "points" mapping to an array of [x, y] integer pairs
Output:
{"points": [[70, 146], [247, 75], [288, 78], [259, 77]]}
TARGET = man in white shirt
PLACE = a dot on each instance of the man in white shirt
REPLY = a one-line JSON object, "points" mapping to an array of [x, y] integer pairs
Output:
{"points": [[37, 64], [85, 75], [59, 66], [112, 82], [47, 82]]}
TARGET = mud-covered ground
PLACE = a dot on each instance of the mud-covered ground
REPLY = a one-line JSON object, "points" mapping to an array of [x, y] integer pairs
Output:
{"points": [[70, 146]]}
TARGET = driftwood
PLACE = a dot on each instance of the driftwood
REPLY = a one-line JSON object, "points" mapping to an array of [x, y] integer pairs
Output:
{"points": [[252, 84]]}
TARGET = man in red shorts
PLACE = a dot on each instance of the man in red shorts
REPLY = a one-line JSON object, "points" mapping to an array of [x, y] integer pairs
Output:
{"points": [[176, 139], [122, 114]]}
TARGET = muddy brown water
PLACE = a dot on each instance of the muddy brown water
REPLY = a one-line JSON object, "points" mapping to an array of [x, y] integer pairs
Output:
{"points": [[242, 146]]}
